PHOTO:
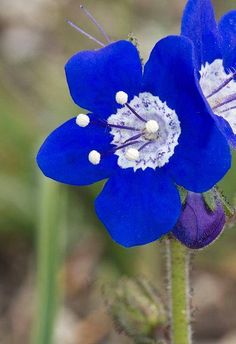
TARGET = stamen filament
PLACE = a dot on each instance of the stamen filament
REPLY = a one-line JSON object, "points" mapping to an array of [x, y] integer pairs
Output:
{"points": [[122, 127], [85, 33], [134, 137], [143, 146], [225, 83], [227, 100], [125, 145], [228, 109], [135, 113], [100, 28], [105, 124]]}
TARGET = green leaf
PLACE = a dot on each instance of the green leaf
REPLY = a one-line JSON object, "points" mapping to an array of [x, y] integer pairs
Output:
{"points": [[183, 194], [228, 208], [210, 199]]}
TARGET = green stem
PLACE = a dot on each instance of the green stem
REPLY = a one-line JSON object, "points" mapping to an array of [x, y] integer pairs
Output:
{"points": [[178, 270], [48, 261]]}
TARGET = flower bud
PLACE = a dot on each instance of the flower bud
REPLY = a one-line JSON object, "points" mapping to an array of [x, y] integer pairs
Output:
{"points": [[202, 220], [138, 311]]}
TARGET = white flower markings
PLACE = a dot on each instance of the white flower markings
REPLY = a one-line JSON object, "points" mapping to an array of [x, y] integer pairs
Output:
{"points": [[220, 90], [153, 134], [145, 132]]}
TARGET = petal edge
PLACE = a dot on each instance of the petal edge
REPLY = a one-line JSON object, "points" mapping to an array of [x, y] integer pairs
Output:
{"points": [[94, 77], [138, 207], [64, 154]]}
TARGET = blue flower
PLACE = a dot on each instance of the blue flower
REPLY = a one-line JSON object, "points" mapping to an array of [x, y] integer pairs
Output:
{"points": [[215, 48], [146, 131], [198, 225]]}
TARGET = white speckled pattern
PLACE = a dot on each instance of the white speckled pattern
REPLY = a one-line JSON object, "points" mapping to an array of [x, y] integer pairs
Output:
{"points": [[155, 148], [212, 77]]}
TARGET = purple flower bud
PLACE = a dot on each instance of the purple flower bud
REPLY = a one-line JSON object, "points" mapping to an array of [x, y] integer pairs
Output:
{"points": [[199, 225]]}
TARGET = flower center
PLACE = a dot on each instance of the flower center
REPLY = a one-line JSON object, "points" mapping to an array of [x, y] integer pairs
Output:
{"points": [[145, 132], [153, 131], [220, 90]]}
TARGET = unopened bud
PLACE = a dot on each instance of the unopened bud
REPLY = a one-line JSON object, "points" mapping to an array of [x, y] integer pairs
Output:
{"points": [[202, 219], [138, 311]]}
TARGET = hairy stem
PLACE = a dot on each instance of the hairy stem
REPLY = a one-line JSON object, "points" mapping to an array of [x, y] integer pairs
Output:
{"points": [[178, 275]]}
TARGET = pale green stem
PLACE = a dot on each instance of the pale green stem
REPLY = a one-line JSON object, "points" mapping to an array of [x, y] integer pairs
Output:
{"points": [[178, 273], [48, 261]]}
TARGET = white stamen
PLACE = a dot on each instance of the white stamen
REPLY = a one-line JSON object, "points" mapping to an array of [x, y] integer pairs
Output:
{"points": [[152, 126], [94, 157], [82, 120], [132, 154], [121, 98]]}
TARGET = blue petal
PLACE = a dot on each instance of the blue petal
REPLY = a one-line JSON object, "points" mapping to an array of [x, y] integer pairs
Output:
{"points": [[200, 26], [227, 27], [203, 156], [64, 154], [226, 129], [138, 207], [199, 226], [94, 77]]}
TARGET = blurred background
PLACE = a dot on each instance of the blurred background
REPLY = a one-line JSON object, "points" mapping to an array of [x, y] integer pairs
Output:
{"points": [[35, 42]]}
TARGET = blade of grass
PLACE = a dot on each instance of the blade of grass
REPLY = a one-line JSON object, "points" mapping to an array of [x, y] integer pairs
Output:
{"points": [[49, 244]]}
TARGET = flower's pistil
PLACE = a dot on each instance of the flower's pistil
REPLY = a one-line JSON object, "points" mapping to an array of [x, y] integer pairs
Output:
{"points": [[86, 34], [95, 22], [220, 90]]}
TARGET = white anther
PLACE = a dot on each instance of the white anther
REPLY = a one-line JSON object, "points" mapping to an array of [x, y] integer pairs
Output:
{"points": [[152, 126], [132, 154], [82, 120], [94, 157], [121, 98]]}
